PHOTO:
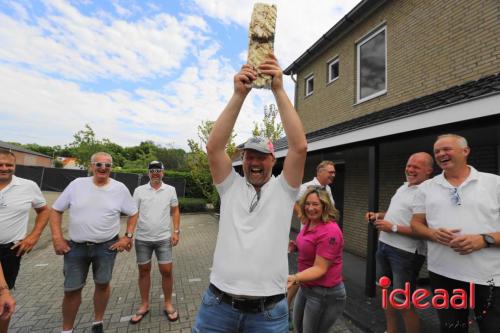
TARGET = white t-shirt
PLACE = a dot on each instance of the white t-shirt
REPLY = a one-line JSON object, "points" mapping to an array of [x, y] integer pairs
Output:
{"points": [[17, 199], [251, 252], [478, 213], [400, 212], [314, 182], [154, 211], [94, 211]]}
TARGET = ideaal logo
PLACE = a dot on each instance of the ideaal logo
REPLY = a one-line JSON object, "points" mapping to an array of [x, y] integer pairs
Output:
{"points": [[440, 300]]}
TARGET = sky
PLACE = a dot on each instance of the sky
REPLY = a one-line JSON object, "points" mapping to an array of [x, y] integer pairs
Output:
{"points": [[137, 70]]}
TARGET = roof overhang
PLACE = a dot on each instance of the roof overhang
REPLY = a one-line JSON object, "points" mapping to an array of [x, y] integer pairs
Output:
{"points": [[472, 109]]}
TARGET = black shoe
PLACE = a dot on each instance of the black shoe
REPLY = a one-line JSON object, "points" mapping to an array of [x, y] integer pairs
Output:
{"points": [[98, 328]]}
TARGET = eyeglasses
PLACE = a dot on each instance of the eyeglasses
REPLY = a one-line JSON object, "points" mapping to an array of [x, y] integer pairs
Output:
{"points": [[155, 170], [102, 165], [455, 197], [254, 202]]}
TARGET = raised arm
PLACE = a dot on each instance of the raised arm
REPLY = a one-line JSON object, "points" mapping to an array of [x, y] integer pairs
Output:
{"points": [[218, 160], [293, 168]]}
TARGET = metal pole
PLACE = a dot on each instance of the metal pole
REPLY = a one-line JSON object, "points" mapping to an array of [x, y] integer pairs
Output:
{"points": [[373, 191]]}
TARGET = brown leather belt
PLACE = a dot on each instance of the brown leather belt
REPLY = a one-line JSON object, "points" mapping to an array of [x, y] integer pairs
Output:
{"points": [[253, 305]]}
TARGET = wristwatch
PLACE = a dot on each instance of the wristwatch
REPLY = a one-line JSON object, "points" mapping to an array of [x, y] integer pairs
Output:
{"points": [[394, 228], [488, 239], [129, 235]]}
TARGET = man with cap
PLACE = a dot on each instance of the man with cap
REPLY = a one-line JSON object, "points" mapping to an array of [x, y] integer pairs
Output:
{"points": [[158, 207], [250, 267]]}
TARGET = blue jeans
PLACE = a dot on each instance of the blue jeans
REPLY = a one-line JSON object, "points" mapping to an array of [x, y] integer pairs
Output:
{"points": [[317, 308], [398, 265], [215, 316]]}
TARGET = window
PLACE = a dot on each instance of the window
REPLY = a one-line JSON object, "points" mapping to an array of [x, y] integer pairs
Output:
{"points": [[309, 85], [333, 70], [372, 66]]}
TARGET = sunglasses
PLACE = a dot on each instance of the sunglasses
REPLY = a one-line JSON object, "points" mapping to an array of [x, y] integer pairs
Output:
{"points": [[316, 187], [155, 170], [254, 202], [455, 197], [102, 165]]}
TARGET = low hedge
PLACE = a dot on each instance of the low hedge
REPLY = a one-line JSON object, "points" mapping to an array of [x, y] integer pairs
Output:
{"points": [[193, 205]]}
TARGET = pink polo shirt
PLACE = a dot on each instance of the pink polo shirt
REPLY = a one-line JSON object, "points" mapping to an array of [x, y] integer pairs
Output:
{"points": [[326, 241]]}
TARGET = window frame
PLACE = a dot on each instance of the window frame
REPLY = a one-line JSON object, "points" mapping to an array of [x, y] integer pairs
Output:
{"points": [[329, 63], [306, 81], [359, 44]]}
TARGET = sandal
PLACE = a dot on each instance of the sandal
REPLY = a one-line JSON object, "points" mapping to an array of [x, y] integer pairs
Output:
{"points": [[140, 315], [169, 315]]}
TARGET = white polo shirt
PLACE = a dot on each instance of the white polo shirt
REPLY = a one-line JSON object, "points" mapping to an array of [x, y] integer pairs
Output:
{"points": [[18, 198], [251, 252], [400, 212], [94, 211], [478, 213], [314, 182], [154, 211]]}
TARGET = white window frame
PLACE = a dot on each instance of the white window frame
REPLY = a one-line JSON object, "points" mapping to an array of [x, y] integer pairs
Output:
{"points": [[358, 83], [330, 63], [306, 81]]}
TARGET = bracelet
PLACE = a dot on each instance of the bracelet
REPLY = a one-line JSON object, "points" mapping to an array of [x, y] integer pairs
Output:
{"points": [[177, 231], [295, 279]]}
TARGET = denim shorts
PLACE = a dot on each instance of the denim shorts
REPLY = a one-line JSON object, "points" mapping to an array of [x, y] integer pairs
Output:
{"points": [[398, 265], [10, 264], [77, 262], [214, 315], [144, 251]]}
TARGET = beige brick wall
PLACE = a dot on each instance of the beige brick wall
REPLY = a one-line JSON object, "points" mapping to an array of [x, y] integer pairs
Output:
{"points": [[33, 160], [431, 45]]}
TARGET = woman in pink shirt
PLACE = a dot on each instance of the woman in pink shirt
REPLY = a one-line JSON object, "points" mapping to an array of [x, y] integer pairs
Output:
{"points": [[321, 296]]}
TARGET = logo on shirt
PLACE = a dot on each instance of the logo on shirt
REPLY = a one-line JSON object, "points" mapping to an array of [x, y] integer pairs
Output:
{"points": [[332, 241]]}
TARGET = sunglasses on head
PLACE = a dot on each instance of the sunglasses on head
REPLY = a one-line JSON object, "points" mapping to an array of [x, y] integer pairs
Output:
{"points": [[155, 170], [102, 165], [317, 187]]}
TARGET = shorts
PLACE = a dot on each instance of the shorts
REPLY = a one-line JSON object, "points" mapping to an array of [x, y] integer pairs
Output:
{"points": [[162, 248], [82, 255], [399, 265], [10, 264]]}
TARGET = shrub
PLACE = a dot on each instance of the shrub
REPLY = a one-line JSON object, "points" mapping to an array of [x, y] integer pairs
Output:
{"points": [[193, 205]]}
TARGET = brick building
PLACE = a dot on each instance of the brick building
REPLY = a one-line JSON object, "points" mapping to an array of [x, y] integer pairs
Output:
{"points": [[382, 83], [27, 157]]}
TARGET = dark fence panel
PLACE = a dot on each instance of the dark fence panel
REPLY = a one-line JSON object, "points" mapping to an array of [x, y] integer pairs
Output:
{"points": [[131, 180], [33, 173], [56, 179]]}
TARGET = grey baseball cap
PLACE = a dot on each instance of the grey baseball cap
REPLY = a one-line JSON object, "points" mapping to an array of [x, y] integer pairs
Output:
{"points": [[258, 143]]}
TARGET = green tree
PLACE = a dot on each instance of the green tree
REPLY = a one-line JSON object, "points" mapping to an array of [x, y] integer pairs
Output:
{"points": [[84, 145], [172, 158], [270, 127], [198, 162]]}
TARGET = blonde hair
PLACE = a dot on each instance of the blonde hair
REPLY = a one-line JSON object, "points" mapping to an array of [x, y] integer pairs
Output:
{"points": [[329, 212]]}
